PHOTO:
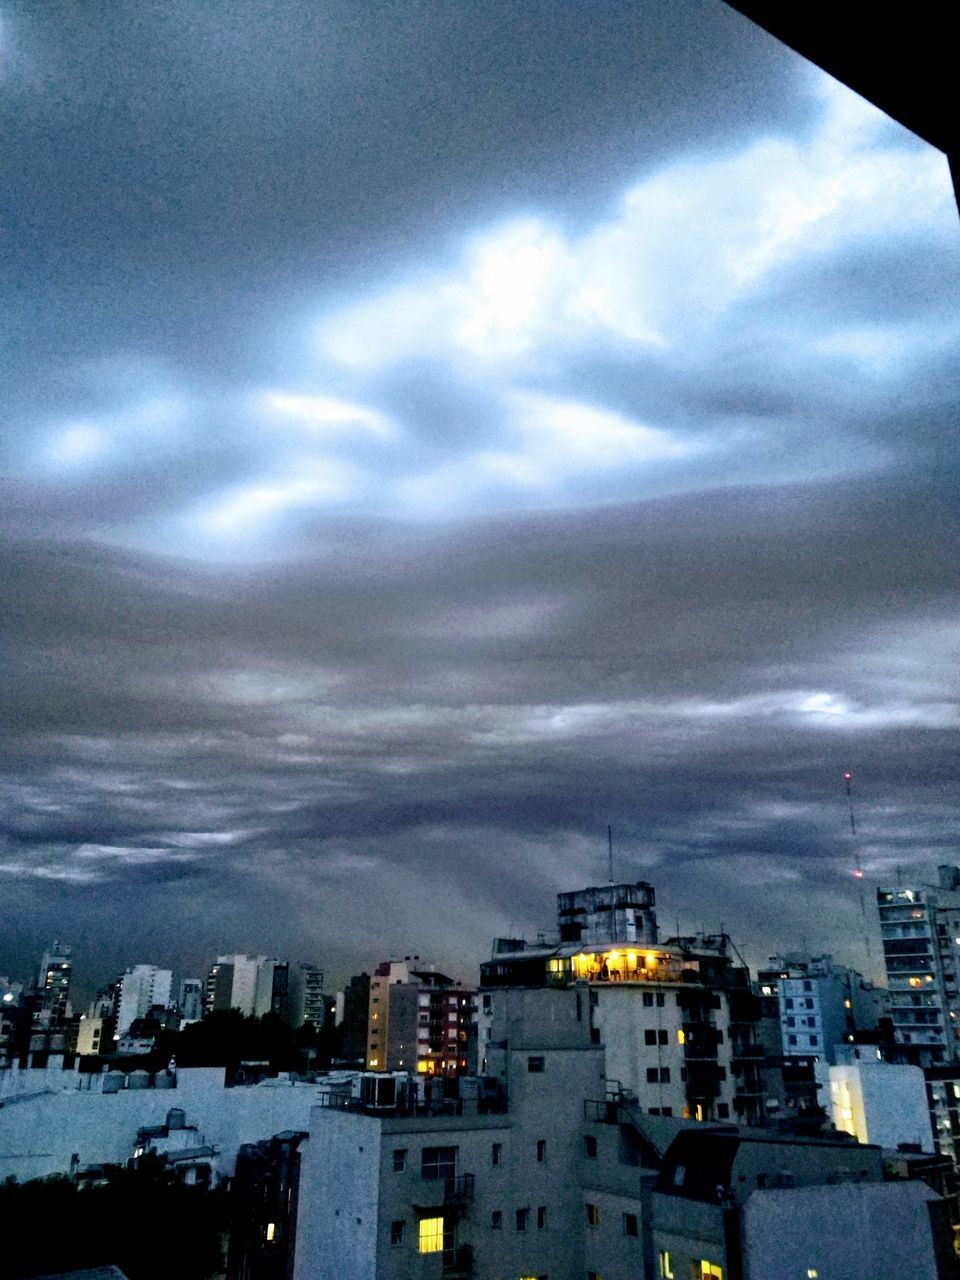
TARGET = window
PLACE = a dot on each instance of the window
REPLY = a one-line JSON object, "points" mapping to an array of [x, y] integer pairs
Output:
{"points": [[430, 1237], [665, 1269], [707, 1270], [594, 1035], [667, 1111], [593, 1275], [630, 1227], [723, 1110], [496, 1220], [813, 1041], [660, 1000], [496, 1153], [665, 1075], [541, 1150], [523, 1217], [535, 1064], [590, 1146], [593, 1215], [650, 1037], [541, 1217], [652, 1075], [438, 1163], [789, 1004], [396, 1232], [648, 999], [399, 1159]]}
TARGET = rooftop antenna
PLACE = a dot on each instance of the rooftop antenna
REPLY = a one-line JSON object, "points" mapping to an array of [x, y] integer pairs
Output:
{"points": [[857, 869], [610, 852]]}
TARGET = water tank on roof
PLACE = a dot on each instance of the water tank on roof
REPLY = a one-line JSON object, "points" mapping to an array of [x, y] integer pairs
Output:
{"points": [[113, 1082], [164, 1080], [138, 1080], [176, 1118]]}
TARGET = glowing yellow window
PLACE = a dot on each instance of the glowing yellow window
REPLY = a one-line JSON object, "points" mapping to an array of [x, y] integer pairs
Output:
{"points": [[666, 1266], [709, 1271], [681, 1037], [430, 1239]]}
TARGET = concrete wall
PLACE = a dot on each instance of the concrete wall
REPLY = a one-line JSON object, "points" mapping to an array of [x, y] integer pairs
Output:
{"points": [[338, 1198], [877, 1231], [881, 1102], [41, 1133]]}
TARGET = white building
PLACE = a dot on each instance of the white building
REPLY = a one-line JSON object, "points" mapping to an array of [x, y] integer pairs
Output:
{"points": [[55, 1120], [920, 928], [875, 1101], [821, 1004], [678, 1020], [142, 987], [232, 982]]}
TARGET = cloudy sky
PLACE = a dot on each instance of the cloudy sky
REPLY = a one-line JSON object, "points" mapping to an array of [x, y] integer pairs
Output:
{"points": [[435, 430]]}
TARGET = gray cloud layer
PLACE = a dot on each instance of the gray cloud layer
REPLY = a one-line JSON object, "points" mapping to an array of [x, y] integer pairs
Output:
{"points": [[444, 435]]}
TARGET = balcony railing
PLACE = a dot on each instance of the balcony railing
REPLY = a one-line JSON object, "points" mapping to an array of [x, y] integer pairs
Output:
{"points": [[458, 1190], [459, 1261]]}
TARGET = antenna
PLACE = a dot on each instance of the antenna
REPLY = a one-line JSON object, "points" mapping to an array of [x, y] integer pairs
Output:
{"points": [[857, 869], [610, 852]]}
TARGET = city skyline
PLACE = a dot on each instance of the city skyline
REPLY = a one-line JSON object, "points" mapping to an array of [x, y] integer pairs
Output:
{"points": [[432, 439]]}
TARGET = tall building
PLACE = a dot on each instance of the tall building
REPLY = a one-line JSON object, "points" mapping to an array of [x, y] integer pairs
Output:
{"points": [[920, 928], [52, 1005], [272, 988], [354, 1021], [190, 1000], [418, 1019], [305, 995], [141, 987], [820, 1004], [232, 983], [678, 1019]]}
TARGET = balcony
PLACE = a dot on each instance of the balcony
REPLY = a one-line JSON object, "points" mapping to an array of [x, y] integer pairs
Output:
{"points": [[458, 1190], [459, 1261]]}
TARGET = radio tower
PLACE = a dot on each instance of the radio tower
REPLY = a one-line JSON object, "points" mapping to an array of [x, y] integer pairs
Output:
{"points": [[857, 872]]}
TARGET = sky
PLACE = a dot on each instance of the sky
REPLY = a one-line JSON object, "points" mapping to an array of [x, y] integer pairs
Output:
{"points": [[435, 431]]}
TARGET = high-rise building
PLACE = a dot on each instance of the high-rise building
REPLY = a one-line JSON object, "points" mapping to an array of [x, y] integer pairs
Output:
{"points": [[190, 1000], [920, 928], [418, 1020], [53, 987], [142, 987], [235, 981], [305, 995], [820, 1004], [678, 1019]]}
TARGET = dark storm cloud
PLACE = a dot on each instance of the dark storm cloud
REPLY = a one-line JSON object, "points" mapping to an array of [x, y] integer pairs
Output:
{"points": [[437, 431]]}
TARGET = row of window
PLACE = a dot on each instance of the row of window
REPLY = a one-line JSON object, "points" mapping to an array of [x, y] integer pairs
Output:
{"points": [[441, 1162], [631, 1226]]}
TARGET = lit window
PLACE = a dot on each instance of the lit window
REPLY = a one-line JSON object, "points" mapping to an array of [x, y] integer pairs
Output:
{"points": [[710, 1270], [271, 1230], [666, 1266], [681, 1036], [593, 1215], [812, 1273], [430, 1239]]}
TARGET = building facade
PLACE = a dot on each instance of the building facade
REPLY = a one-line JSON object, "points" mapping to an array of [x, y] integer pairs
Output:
{"points": [[920, 929], [141, 988]]}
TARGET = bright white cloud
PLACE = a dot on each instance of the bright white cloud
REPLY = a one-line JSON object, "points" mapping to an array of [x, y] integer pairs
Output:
{"points": [[325, 416], [246, 509]]}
